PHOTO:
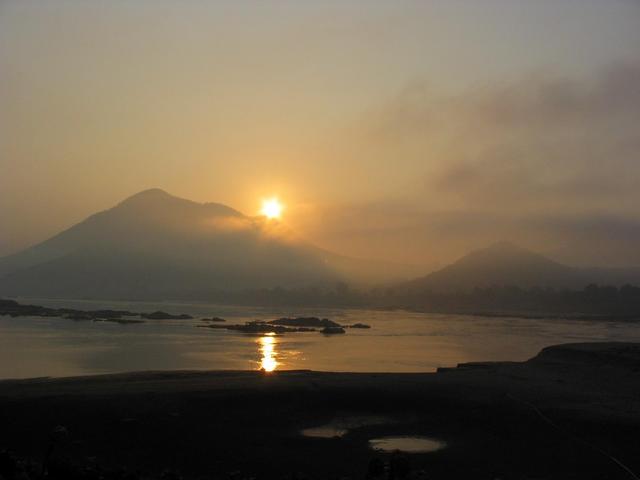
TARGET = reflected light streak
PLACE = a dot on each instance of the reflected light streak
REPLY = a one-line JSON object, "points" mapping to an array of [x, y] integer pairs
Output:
{"points": [[268, 362]]}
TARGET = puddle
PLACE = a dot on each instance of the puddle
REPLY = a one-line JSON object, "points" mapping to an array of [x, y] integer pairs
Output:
{"points": [[407, 444], [339, 427], [325, 431]]}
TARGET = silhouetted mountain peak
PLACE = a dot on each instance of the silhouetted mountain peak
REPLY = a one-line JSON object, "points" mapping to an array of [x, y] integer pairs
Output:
{"points": [[501, 263], [504, 253], [156, 245], [149, 195], [156, 201], [504, 246], [151, 192]]}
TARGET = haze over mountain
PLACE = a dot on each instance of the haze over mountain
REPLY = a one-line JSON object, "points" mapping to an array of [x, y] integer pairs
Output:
{"points": [[157, 246], [506, 264], [154, 245]]}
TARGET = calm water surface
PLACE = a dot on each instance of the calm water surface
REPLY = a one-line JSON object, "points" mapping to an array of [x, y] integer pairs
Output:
{"points": [[397, 342], [407, 444], [340, 426]]}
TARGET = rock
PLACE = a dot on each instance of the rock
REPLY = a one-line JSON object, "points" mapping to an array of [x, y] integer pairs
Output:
{"points": [[260, 328], [111, 314], [332, 330], [78, 316], [359, 325], [159, 315], [305, 322], [14, 309], [121, 321]]}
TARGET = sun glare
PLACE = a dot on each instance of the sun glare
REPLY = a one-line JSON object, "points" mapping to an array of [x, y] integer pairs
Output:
{"points": [[268, 362], [271, 208]]}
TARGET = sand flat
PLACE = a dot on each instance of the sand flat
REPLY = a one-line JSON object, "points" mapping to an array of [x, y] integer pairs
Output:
{"points": [[202, 421]]}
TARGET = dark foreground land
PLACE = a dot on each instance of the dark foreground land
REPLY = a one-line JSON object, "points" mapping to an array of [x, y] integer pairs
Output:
{"points": [[571, 412]]}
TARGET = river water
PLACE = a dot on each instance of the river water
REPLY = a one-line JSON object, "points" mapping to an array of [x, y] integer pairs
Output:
{"points": [[398, 341]]}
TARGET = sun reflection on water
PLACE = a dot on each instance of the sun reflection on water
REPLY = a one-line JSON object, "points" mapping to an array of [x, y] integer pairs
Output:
{"points": [[268, 362]]}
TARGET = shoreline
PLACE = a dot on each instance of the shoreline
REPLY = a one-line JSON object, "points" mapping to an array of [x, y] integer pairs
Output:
{"points": [[216, 422], [525, 315], [557, 368]]}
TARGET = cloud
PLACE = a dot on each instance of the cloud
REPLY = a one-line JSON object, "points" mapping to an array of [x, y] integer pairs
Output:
{"points": [[434, 238], [537, 143], [551, 163]]}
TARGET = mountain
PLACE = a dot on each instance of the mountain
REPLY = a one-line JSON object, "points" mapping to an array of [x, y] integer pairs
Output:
{"points": [[154, 246], [505, 264]]}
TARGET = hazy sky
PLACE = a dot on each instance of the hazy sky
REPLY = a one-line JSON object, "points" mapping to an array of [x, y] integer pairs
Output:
{"points": [[409, 131]]}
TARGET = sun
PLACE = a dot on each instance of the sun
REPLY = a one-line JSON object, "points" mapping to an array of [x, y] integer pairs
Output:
{"points": [[271, 208]]}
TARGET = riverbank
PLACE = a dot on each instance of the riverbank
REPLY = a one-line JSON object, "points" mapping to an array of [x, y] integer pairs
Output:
{"points": [[12, 308], [493, 416]]}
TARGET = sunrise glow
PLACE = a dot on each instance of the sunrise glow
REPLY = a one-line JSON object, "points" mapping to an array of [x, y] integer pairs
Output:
{"points": [[271, 208]]}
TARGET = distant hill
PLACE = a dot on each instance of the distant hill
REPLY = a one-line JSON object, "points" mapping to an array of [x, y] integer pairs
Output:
{"points": [[154, 245], [157, 246], [505, 264]]}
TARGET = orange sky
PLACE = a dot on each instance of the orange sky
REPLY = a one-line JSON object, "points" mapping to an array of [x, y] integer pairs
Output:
{"points": [[408, 131]]}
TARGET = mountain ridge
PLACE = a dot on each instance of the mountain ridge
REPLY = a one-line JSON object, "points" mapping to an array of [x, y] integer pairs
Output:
{"points": [[506, 264], [155, 245]]}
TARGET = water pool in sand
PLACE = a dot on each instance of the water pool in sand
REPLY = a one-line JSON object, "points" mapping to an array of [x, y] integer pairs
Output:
{"points": [[407, 444], [339, 427]]}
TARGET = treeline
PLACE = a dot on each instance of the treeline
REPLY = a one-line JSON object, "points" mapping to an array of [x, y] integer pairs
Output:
{"points": [[338, 295], [591, 300]]}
